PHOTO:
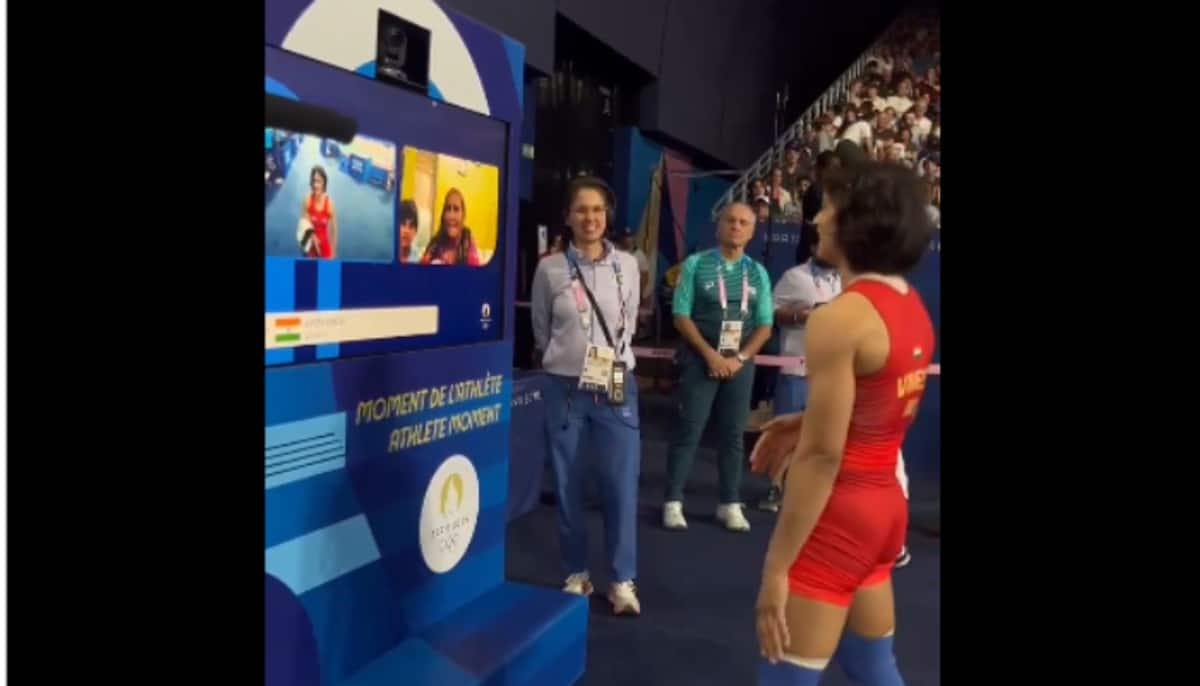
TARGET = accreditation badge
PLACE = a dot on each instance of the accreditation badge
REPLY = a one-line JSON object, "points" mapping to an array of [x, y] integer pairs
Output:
{"points": [[597, 369], [731, 338]]}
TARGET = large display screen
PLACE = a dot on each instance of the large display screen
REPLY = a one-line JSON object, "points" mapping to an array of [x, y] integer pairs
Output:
{"points": [[390, 242]]}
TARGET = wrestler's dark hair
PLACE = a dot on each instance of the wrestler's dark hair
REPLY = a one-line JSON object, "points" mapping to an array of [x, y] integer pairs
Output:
{"points": [[882, 222], [318, 170], [825, 160]]}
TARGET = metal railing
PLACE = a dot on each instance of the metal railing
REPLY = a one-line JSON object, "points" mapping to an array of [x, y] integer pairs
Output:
{"points": [[798, 130]]}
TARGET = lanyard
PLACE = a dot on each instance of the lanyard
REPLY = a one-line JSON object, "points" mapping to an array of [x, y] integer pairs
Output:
{"points": [[721, 284], [583, 296]]}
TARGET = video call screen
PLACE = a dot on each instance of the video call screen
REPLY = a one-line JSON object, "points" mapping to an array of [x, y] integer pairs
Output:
{"points": [[392, 241]]}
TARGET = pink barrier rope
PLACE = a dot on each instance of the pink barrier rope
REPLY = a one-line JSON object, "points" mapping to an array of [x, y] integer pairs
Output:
{"points": [[641, 310], [765, 360]]}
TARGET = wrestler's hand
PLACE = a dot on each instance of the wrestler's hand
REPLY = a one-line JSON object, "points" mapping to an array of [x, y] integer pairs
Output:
{"points": [[771, 617], [777, 441]]}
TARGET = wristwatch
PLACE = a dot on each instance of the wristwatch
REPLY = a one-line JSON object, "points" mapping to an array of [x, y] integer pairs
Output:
{"points": [[742, 358]]}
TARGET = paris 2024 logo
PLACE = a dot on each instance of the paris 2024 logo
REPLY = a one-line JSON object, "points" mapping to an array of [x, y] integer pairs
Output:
{"points": [[449, 513]]}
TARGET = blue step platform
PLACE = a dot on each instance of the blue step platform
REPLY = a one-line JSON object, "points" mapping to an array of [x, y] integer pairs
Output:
{"points": [[513, 634], [349, 604]]}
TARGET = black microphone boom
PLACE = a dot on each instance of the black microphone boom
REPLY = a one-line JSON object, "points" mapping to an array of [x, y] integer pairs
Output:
{"points": [[299, 117]]}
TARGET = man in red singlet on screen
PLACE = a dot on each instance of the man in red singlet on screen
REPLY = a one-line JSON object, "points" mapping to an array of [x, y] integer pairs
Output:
{"points": [[826, 583]]}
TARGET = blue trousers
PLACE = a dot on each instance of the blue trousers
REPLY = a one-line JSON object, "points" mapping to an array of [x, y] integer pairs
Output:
{"points": [[791, 394], [613, 441]]}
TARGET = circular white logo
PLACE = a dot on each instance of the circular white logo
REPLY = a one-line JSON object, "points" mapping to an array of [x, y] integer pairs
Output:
{"points": [[449, 513]]}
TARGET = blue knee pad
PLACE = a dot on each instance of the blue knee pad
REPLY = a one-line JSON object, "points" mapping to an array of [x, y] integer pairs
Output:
{"points": [[869, 661], [786, 674]]}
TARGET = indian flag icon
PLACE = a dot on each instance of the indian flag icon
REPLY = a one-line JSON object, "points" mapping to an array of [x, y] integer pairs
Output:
{"points": [[287, 329]]}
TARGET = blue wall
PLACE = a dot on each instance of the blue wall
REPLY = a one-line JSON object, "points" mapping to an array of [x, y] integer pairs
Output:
{"points": [[528, 131], [923, 447], [635, 158], [703, 193]]}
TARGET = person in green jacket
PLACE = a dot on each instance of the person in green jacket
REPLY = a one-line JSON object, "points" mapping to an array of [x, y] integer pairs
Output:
{"points": [[723, 310]]}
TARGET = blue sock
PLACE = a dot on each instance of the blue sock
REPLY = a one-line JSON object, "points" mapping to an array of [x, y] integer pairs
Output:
{"points": [[869, 661], [786, 674]]}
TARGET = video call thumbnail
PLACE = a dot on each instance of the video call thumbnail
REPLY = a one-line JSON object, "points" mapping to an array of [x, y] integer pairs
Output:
{"points": [[329, 200], [448, 211]]}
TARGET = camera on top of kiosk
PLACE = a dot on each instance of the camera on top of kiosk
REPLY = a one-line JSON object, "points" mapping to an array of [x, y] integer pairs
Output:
{"points": [[402, 53]]}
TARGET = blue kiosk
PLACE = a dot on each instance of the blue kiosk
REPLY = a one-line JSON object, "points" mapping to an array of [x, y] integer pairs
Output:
{"points": [[388, 382]]}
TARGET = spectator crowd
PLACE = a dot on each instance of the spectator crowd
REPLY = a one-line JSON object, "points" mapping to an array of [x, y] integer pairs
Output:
{"points": [[891, 112]]}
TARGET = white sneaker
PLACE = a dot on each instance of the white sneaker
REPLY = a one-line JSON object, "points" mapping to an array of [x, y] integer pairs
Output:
{"points": [[673, 515], [731, 516], [579, 584], [623, 597]]}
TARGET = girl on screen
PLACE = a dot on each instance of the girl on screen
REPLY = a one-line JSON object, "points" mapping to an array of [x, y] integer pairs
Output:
{"points": [[317, 208], [452, 244]]}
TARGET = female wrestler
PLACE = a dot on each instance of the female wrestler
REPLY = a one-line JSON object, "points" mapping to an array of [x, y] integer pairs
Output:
{"points": [[318, 207], [827, 574], [452, 244], [584, 305]]}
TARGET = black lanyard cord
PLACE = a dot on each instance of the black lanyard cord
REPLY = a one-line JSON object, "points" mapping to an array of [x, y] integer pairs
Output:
{"points": [[596, 308]]}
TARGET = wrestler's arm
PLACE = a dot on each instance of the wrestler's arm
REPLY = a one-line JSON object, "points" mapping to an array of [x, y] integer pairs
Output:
{"points": [[830, 346]]}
